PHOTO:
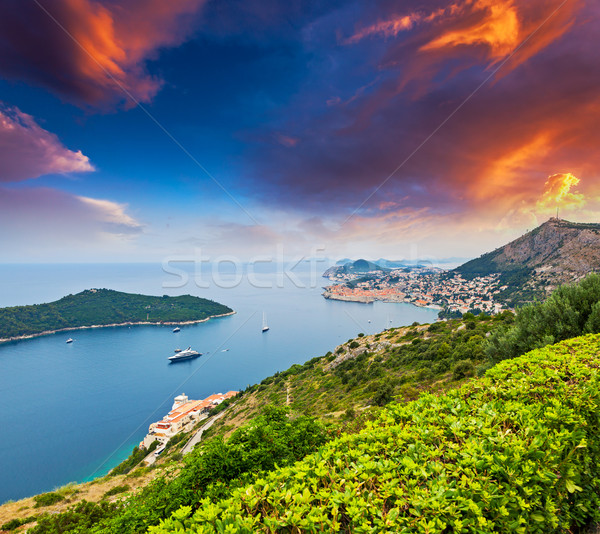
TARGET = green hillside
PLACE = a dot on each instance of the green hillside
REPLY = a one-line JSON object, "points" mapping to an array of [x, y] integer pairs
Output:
{"points": [[515, 451], [104, 307], [370, 371]]}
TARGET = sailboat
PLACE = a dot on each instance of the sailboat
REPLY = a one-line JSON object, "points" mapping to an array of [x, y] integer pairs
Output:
{"points": [[265, 326]]}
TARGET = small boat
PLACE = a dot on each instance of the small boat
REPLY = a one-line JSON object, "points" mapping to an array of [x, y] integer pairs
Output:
{"points": [[176, 329], [70, 340], [265, 326], [186, 354], [177, 350], [225, 350]]}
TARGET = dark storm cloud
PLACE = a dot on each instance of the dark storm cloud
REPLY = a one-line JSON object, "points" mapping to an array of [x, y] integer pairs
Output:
{"points": [[392, 75]]}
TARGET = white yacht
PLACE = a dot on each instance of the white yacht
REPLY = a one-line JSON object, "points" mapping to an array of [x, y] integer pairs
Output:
{"points": [[186, 354], [70, 340], [265, 326]]}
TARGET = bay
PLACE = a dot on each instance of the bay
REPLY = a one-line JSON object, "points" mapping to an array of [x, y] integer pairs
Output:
{"points": [[71, 412]]}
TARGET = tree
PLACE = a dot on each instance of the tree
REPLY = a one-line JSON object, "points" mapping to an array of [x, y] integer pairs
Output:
{"points": [[570, 311], [383, 394]]}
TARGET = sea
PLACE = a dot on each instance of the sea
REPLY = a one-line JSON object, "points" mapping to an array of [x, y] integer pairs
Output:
{"points": [[71, 412]]}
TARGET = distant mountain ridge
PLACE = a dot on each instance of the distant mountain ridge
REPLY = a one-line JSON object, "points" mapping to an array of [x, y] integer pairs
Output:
{"points": [[533, 265], [364, 266], [353, 267]]}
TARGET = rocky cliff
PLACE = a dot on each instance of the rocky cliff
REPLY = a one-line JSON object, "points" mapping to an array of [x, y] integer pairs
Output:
{"points": [[533, 265]]}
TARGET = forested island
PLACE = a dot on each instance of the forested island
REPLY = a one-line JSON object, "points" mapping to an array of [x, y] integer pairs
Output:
{"points": [[104, 307]]}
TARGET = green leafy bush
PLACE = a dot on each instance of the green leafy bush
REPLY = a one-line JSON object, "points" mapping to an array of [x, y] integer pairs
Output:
{"points": [[515, 451], [212, 470], [77, 519], [16, 523], [383, 395], [572, 310], [47, 499], [463, 369], [136, 456], [116, 490]]}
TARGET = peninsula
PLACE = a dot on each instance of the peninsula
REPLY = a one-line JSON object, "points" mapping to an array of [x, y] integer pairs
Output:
{"points": [[522, 271], [104, 307]]}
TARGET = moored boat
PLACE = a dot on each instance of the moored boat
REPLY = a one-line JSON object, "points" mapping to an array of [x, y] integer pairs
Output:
{"points": [[186, 354]]}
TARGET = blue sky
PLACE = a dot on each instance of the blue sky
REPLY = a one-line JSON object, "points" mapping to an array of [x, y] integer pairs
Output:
{"points": [[134, 131]]}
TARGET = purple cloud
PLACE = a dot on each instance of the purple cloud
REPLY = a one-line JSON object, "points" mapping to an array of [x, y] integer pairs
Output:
{"points": [[28, 151]]}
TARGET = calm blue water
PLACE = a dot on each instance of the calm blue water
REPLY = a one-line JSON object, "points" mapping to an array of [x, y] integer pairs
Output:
{"points": [[72, 412]]}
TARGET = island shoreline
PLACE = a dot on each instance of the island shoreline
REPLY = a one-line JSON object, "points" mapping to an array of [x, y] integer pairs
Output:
{"points": [[139, 323]]}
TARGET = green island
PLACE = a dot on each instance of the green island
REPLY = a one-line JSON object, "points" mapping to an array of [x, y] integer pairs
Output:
{"points": [[104, 307], [473, 425]]}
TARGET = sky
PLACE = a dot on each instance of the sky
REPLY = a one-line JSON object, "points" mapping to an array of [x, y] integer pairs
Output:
{"points": [[145, 130]]}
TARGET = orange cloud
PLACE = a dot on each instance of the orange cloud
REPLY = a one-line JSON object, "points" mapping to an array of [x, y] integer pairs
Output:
{"points": [[488, 30], [89, 51], [505, 173], [499, 30], [387, 28], [504, 29], [400, 23], [557, 192]]}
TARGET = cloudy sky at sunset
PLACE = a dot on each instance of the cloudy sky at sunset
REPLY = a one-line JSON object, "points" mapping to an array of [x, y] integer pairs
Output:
{"points": [[135, 130]]}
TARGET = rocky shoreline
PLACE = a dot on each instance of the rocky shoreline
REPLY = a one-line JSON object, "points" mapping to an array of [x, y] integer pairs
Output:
{"points": [[141, 323]]}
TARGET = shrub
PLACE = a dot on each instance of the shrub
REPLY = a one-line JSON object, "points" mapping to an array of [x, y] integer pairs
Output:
{"points": [[16, 523], [350, 413], [116, 490], [217, 466], [47, 499], [463, 369], [515, 451], [136, 456], [354, 345], [570, 311], [79, 518], [383, 395], [409, 392]]}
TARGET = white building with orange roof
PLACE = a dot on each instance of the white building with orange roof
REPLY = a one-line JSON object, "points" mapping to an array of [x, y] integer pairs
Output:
{"points": [[183, 416]]}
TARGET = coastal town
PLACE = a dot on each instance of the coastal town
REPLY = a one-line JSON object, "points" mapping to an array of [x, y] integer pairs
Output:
{"points": [[424, 286]]}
